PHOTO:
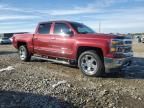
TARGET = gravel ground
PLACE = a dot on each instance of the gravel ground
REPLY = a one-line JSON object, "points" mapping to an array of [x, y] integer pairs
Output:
{"points": [[41, 84]]}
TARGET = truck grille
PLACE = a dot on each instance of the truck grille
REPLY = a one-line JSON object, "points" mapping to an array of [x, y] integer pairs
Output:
{"points": [[128, 42], [127, 50], [124, 49]]}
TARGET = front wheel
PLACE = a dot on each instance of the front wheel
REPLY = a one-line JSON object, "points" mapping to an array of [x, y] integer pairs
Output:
{"points": [[24, 54], [91, 64]]}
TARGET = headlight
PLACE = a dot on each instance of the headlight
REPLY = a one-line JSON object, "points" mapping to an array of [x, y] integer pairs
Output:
{"points": [[117, 42], [114, 44]]}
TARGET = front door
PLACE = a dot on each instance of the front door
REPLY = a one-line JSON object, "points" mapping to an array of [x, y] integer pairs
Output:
{"points": [[62, 41]]}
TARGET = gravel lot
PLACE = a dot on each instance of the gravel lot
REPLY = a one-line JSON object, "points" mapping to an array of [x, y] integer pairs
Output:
{"points": [[40, 84]]}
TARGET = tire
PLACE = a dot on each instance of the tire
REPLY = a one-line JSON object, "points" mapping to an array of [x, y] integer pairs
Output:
{"points": [[91, 64], [24, 54]]}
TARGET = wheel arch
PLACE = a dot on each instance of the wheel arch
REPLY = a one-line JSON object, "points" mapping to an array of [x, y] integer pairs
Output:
{"points": [[98, 50], [21, 43]]}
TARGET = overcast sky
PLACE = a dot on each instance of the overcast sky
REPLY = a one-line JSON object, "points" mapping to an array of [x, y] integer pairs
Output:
{"points": [[118, 16]]}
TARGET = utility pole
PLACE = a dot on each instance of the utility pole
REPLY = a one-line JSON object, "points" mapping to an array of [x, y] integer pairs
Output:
{"points": [[99, 26]]}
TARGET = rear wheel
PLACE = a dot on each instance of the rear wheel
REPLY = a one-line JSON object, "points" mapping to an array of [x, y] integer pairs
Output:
{"points": [[91, 64], [24, 54]]}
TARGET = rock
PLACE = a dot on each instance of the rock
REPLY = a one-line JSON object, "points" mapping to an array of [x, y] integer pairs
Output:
{"points": [[139, 98], [69, 85], [59, 83], [9, 68], [104, 92], [111, 105], [101, 85]]}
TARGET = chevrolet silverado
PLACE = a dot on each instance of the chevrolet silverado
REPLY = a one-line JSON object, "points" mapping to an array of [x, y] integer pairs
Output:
{"points": [[76, 44]]}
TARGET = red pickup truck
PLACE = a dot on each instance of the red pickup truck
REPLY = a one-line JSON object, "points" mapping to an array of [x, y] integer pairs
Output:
{"points": [[75, 44]]}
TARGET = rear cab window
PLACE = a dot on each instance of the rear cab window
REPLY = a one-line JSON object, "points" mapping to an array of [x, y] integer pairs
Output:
{"points": [[44, 28]]}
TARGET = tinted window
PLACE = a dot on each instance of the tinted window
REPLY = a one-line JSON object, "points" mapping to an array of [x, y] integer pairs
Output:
{"points": [[81, 28], [61, 29], [44, 28]]}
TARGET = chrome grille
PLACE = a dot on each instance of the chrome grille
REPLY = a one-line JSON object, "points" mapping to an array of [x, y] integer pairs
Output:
{"points": [[127, 41], [124, 50]]}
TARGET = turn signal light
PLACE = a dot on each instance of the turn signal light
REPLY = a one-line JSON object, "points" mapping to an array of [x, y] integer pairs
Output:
{"points": [[113, 49]]}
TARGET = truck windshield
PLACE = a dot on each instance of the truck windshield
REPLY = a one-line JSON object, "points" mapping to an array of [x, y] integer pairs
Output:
{"points": [[82, 29]]}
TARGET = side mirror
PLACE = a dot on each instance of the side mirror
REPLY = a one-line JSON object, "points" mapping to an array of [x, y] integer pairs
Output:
{"points": [[70, 33], [66, 33]]}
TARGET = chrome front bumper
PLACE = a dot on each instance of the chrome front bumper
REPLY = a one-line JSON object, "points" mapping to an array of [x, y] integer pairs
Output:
{"points": [[115, 64]]}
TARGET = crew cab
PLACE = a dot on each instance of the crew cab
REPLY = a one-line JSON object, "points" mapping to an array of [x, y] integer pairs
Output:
{"points": [[75, 44]]}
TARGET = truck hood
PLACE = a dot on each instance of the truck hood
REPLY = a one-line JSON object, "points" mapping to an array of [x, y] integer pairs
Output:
{"points": [[101, 36]]}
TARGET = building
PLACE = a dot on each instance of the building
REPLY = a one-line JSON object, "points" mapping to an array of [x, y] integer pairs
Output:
{"points": [[9, 35], [5, 37]]}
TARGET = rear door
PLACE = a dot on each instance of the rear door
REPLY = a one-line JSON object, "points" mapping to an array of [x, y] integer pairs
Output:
{"points": [[42, 39]]}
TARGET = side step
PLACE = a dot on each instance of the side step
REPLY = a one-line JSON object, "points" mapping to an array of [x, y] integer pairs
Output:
{"points": [[52, 60]]}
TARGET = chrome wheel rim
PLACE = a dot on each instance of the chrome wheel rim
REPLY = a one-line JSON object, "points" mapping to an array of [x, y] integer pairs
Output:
{"points": [[89, 64], [22, 53]]}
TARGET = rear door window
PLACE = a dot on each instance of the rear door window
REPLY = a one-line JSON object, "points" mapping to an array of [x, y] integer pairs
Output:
{"points": [[44, 28]]}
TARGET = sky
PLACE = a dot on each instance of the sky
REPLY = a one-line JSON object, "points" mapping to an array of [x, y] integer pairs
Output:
{"points": [[114, 16]]}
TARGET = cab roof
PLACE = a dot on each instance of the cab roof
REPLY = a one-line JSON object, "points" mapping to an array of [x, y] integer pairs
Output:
{"points": [[66, 21]]}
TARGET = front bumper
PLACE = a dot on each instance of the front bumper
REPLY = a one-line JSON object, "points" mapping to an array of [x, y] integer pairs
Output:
{"points": [[115, 64]]}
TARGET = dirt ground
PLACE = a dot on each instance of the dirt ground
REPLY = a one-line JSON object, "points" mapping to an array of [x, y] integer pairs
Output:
{"points": [[37, 84]]}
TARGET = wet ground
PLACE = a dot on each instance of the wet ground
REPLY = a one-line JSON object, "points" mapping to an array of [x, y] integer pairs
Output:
{"points": [[32, 84]]}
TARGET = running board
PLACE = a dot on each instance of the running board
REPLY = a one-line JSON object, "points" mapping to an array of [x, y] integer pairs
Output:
{"points": [[52, 60]]}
